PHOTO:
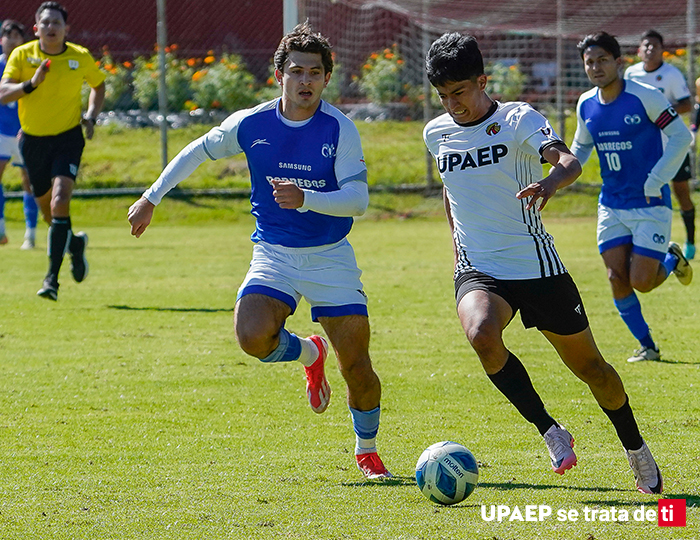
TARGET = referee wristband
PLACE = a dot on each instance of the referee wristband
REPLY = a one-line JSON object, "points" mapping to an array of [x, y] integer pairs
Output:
{"points": [[27, 87]]}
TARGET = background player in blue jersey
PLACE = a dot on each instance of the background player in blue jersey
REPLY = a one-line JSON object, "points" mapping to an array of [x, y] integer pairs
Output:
{"points": [[488, 154], [308, 179], [12, 36], [626, 121], [653, 71]]}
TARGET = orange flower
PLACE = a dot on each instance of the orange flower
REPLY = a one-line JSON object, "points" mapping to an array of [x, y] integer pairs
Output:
{"points": [[113, 71], [198, 75], [191, 62], [167, 50], [128, 65], [399, 61], [97, 63], [680, 52], [210, 53], [209, 59], [149, 65], [667, 54], [389, 56], [174, 47], [270, 81], [367, 66], [109, 67], [374, 56], [216, 103]]}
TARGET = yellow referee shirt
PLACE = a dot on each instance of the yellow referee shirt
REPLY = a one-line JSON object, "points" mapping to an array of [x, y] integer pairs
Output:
{"points": [[55, 106]]}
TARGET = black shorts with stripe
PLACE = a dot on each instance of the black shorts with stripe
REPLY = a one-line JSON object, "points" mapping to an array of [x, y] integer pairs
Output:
{"points": [[50, 156], [551, 303]]}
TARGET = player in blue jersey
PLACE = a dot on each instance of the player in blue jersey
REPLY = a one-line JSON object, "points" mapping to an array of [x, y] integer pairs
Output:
{"points": [[626, 123], [12, 36], [653, 71], [308, 179], [489, 157]]}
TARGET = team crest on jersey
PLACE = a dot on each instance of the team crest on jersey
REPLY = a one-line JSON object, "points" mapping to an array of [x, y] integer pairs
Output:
{"points": [[73, 64], [33, 61], [493, 128], [328, 150]]}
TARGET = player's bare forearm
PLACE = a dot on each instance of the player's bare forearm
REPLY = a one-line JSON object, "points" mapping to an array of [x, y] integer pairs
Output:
{"points": [[140, 215], [565, 170]]}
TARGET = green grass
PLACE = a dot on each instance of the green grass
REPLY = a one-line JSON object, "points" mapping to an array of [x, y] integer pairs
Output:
{"points": [[127, 410]]}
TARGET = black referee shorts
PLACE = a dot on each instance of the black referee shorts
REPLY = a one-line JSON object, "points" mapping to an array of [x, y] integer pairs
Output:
{"points": [[685, 173], [50, 156], [551, 303]]}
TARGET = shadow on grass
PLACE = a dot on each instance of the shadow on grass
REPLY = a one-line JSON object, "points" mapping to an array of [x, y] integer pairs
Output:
{"points": [[395, 481], [667, 361], [175, 309], [507, 486]]}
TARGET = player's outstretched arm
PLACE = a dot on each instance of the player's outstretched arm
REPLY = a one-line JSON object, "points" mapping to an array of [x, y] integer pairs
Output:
{"points": [[565, 170], [140, 215]]}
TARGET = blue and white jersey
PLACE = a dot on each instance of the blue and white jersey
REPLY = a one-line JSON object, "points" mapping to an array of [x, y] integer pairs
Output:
{"points": [[9, 120], [627, 135]]}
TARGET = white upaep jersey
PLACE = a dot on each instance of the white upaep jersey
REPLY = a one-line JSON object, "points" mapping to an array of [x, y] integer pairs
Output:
{"points": [[483, 165], [666, 78]]}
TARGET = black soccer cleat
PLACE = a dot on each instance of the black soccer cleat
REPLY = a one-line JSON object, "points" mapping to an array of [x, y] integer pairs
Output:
{"points": [[79, 265], [50, 288]]}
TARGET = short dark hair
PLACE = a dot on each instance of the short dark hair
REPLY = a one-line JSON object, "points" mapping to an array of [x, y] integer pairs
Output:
{"points": [[603, 40], [8, 25], [303, 39], [654, 35], [453, 57], [52, 5]]}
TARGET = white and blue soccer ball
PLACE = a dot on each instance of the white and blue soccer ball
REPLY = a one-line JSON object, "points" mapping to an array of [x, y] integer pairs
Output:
{"points": [[446, 473]]}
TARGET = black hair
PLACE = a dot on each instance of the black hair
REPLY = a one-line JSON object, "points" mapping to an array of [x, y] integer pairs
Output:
{"points": [[652, 34], [453, 57], [52, 5], [303, 39], [8, 25], [601, 39]]}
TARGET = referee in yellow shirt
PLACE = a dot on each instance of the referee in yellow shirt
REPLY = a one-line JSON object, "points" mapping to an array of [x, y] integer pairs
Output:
{"points": [[45, 76]]}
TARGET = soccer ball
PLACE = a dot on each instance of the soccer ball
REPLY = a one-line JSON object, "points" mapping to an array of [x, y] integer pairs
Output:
{"points": [[446, 473]]}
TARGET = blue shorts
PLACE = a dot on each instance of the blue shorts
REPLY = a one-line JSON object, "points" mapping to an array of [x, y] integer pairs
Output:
{"points": [[647, 229], [326, 276]]}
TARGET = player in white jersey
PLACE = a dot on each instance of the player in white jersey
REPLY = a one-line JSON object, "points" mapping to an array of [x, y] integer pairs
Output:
{"points": [[488, 155], [652, 70], [308, 179], [641, 143]]}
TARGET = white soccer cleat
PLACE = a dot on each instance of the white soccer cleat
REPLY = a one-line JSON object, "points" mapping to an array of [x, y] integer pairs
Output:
{"points": [[645, 353], [560, 445], [646, 473]]}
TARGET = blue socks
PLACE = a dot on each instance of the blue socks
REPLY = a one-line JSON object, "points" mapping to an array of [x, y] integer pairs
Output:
{"points": [[31, 210], [288, 350], [631, 312], [366, 426], [669, 263]]}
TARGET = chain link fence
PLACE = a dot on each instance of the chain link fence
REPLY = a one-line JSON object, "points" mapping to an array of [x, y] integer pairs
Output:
{"points": [[218, 52]]}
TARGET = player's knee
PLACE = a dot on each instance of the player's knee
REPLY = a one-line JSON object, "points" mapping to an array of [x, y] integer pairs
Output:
{"points": [[485, 339], [594, 372], [254, 342], [357, 370]]}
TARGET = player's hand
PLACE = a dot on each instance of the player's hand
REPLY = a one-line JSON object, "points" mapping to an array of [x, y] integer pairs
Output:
{"points": [[287, 194], [140, 215], [40, 73], [541, 190], [89, 128]]}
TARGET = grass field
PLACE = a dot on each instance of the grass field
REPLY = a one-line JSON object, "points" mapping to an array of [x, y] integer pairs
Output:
{"points": [[127, 410]]}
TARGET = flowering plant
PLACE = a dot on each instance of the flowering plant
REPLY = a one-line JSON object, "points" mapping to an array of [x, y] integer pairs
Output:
{"points": [[380, 80]]}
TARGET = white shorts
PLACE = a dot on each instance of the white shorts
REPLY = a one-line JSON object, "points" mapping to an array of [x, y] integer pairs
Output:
{"points": [[326, 276], [647, 229], [9, 150]]}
